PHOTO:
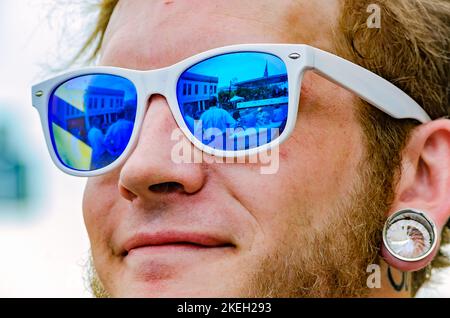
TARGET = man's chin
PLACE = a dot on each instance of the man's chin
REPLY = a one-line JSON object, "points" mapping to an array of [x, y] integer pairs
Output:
{"points": [[187, 285], [172, 289], [167, 276]]}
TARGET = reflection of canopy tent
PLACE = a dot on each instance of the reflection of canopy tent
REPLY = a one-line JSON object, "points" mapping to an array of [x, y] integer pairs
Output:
{"points": [[264, 102], [236, 99]]}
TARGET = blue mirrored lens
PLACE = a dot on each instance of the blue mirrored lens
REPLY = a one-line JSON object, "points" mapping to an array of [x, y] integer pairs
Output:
{"points": [[91, 119], [235, 101]]}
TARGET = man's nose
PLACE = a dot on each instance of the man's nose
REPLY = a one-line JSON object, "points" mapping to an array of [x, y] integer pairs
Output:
{"points": [[150, 171]]}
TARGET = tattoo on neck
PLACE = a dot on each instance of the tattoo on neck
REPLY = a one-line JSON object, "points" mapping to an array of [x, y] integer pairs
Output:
{"points": [[402, 285]]}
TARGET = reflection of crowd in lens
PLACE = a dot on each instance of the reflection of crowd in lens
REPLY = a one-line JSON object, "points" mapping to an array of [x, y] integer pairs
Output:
{"points": [[216, 117], [107, 140], [240, 117], [222, 116]]}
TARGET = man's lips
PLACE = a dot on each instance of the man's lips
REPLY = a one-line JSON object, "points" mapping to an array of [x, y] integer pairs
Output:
{"points": [[173, 239]]}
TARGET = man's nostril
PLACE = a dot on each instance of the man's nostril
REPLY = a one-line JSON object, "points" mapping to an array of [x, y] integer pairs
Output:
{"points": [[166, 187]]}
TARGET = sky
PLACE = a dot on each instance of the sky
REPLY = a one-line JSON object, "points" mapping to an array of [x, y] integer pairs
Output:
{"points": [[44, 243], [239, 66]]}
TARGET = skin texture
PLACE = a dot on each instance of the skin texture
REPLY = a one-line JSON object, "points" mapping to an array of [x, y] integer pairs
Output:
{"points": [[293, 233]]}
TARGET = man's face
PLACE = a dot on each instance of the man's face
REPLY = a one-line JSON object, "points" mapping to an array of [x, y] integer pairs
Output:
{"points": [[158, 228]]}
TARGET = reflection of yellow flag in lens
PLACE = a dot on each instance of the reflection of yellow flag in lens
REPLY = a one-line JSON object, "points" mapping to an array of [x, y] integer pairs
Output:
{"points": [[72, 151], [74, 97]]}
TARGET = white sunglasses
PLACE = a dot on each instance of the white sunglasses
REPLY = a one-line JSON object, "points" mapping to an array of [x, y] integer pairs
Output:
{"points": [[230, 101]]}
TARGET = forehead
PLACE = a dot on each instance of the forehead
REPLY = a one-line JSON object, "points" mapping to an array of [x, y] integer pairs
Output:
{"points": [[146, 34]]}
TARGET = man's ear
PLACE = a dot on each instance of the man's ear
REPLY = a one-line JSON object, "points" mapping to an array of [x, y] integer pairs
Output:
{"points": [[424, 182]]}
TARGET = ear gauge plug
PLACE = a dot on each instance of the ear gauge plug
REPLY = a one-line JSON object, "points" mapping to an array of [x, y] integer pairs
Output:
{"points": [[409, 235]]}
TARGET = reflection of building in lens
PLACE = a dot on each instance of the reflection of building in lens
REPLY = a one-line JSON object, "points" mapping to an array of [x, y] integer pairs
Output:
{"points": [[104, 103], [260, 102], [74, 110], [265, 87], [195, 91], [265, 91], [273, 82]]}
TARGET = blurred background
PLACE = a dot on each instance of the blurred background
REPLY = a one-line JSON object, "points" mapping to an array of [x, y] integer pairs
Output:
{"points": [[43, 241], [42, 237]]}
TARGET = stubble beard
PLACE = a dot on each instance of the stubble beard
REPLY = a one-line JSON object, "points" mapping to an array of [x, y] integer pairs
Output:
{"points": [[329, 261]]}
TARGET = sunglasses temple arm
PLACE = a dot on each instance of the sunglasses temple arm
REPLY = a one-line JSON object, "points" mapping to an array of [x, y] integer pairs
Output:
{"points": [[367, 85]]}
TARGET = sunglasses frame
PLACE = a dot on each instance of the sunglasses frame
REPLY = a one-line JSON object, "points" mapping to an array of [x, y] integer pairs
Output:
{"points": [[298, 58]]}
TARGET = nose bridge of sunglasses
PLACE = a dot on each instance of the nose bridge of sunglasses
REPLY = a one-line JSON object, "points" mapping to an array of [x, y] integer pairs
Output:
{"points": [[155, 82]]}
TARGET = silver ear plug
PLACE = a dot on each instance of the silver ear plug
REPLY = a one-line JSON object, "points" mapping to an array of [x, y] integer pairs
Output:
{"points": [[409, 235]]}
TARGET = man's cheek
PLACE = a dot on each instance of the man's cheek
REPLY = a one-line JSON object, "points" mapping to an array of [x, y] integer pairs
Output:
{"points": [[98, 202]]}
